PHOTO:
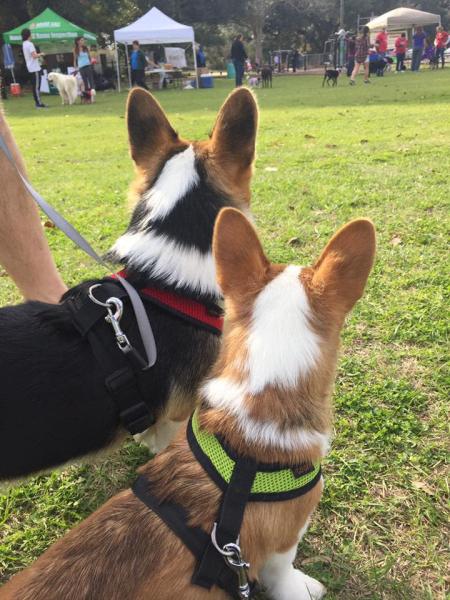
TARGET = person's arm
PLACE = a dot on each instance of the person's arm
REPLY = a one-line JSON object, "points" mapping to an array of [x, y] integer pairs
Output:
{"points": [[75, 65], [24, 251]]}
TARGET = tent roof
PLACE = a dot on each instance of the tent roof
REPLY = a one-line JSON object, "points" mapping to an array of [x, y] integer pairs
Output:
{"points": [[49, 28], [403, 18], [155, 28]]}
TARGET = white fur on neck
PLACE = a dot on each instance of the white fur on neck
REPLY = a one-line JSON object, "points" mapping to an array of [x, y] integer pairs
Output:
{"points": [[225, 394], [173, 262], [177, 178], [281, 344]]}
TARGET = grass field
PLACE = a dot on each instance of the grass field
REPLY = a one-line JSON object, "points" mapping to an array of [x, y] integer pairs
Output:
{"points": [[324, 156]]}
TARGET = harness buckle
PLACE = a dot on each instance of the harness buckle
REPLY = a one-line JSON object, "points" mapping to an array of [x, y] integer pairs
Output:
{"points": [[114, 307], [232, 555]]}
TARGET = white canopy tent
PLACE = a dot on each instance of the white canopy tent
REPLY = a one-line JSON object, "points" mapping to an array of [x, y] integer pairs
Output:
{"points": [[403, 18], [154, 28]]}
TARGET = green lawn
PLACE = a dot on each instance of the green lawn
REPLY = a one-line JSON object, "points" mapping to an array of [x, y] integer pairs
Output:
{"points": [[324, 156]]}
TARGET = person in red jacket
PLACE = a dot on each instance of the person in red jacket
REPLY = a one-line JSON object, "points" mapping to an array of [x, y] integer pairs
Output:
{"points": [[440, 42], [381, 41], [401, 45], [381, 46]]}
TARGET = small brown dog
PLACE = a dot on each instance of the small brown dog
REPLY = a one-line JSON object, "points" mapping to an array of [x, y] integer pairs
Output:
{"points": [[268, 400]]}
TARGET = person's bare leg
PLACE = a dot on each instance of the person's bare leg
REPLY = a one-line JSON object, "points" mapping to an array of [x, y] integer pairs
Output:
{"points": [[366, 71], [24, 251], [355, 71]]}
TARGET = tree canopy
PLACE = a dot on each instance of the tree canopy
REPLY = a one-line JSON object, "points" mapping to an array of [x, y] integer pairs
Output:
{"points": [[268, 23]]}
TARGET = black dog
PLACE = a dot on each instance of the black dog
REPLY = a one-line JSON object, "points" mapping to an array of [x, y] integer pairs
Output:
{"points": [[330, 75], [266, 77], [66, 387]]}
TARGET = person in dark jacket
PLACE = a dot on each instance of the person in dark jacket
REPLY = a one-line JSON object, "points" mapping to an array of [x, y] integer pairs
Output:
{"points": [[138, 63], [238, 56]]}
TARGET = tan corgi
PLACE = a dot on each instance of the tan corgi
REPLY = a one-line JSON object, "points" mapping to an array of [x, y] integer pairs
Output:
{"points": [[266, 402]]}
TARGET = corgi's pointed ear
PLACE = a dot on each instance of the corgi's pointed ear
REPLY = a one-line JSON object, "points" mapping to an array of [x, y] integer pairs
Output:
{"points": [[149, 132], [341, 272], [239, 257], [234, 134]]}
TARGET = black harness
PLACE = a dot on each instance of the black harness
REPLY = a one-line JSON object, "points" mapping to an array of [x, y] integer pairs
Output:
{"points": [[218, 555], [126, 372]]}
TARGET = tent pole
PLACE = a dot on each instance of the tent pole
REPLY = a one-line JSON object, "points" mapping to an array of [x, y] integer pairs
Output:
{"points": [[117, 66], [128, 65], [195, 64]]}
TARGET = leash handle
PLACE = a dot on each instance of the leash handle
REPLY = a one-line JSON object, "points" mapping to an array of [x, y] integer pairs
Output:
{"points": [[75, 236]]}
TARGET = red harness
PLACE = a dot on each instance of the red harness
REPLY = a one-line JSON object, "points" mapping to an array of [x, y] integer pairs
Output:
{"points": [[182, 306]]}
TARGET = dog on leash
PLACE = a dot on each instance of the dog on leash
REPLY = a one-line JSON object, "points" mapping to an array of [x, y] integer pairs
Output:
{"points": [[66, 85], [266, 76], [331, 75], [60, 368], [253, 81], [268, 400]]}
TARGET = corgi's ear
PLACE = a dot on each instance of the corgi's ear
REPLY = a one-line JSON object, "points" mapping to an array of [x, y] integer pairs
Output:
{"points": [[341, 272], [149, 132], [234, 134], [239, 257]]}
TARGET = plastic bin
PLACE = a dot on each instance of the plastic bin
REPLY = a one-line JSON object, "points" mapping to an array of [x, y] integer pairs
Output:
{"points": [[231, 73], [206, 81]]}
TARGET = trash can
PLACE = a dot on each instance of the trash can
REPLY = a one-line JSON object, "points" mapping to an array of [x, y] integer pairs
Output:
{"points": [[206, 81], [231, 73]]}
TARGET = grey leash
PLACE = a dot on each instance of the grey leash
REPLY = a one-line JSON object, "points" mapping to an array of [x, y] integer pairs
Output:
{"points": [[143, 323]]}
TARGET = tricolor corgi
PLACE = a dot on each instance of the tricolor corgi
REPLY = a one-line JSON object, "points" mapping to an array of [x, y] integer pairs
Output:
{"points": [[266, 401], [60, 371]]}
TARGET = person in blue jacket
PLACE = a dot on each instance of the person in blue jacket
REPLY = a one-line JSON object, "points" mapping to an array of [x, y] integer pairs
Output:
{"points": [[138, 63]]}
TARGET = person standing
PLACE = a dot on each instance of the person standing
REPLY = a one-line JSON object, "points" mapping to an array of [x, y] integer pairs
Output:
{"points": [[351, 50], [381, 44], [201, 57], [441, 43], [82, 62], [295, 55], [362, 46], [238, 56], [33, 66], [401, 45], [138, 63], [419, 38]]}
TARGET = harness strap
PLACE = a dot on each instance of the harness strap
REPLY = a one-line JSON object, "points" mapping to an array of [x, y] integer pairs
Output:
{"points": [[124, 374], [194, 538], [229, 523]]}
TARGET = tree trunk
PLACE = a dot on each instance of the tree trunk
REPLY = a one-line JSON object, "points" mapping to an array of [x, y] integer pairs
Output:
{"points": [[258, 35], [258, 16]]}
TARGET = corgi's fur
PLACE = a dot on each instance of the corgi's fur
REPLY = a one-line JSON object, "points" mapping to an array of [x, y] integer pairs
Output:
{"points": [[268, 397], [66, 85], [54, 406]]}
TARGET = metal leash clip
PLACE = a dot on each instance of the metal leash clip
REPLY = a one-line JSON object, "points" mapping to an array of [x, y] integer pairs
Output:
{"points": [[232, 555], [114, 306]]}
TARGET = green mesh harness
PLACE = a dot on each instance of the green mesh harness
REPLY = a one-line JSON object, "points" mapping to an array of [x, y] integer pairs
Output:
{"points": [[218, 553], [271, 482]]}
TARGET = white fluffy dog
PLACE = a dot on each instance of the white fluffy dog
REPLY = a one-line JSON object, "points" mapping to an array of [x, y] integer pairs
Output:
{"points": [[67, 86]]}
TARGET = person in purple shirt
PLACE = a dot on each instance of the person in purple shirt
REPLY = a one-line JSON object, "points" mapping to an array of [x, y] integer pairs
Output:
{"points": [[418, 48]]}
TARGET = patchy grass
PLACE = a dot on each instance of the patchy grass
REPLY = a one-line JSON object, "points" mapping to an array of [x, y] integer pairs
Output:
{"points": [[325, 156]]}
